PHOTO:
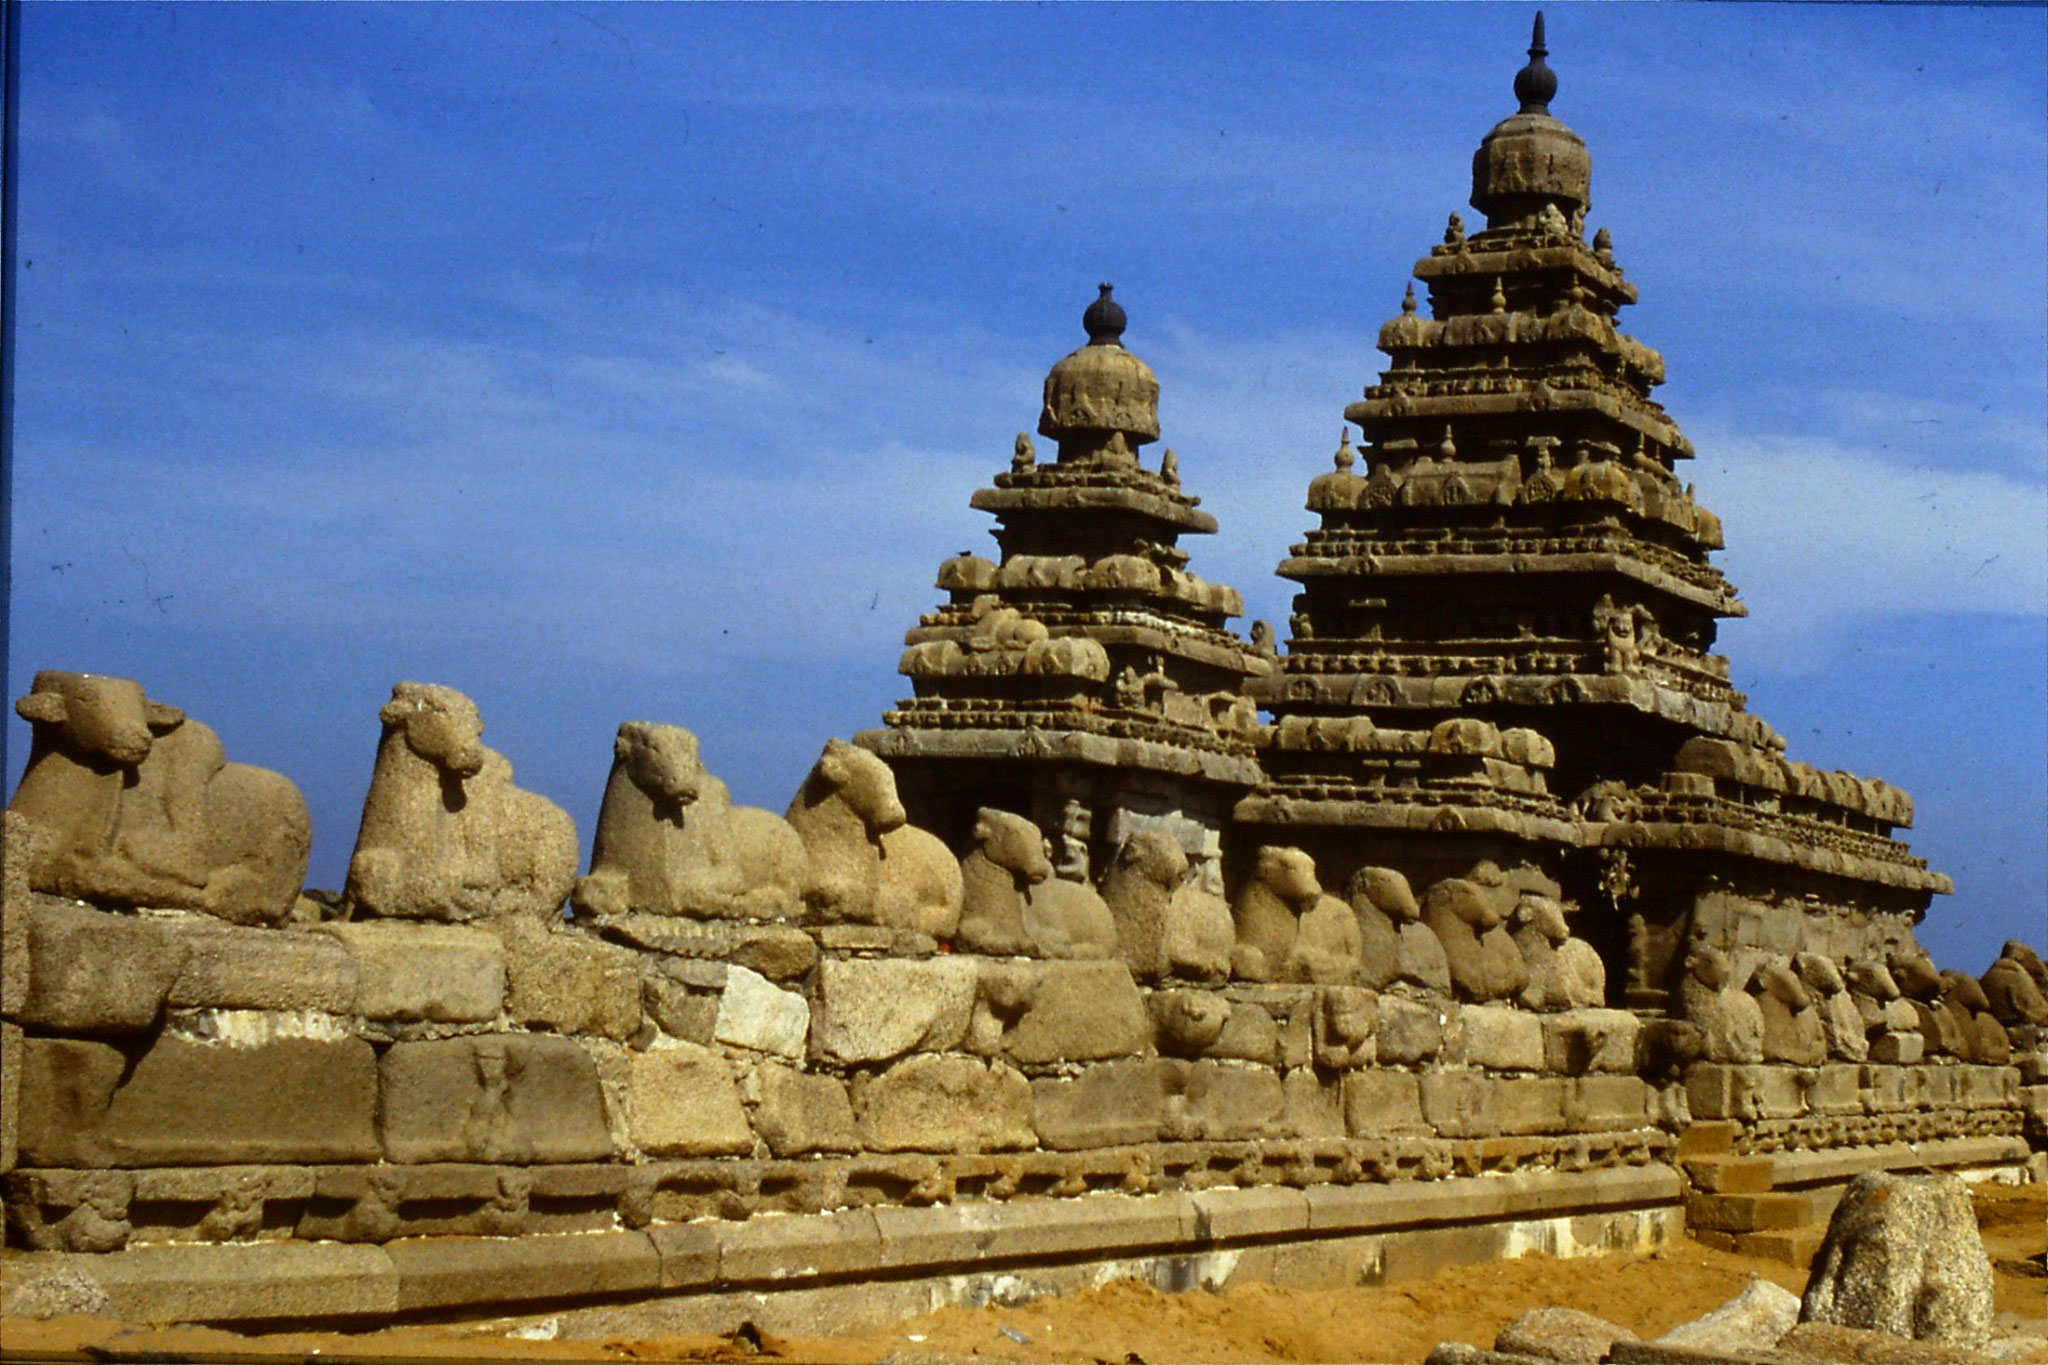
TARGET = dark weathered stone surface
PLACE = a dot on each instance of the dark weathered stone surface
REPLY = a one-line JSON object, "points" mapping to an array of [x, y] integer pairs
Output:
{"points": [[290, 1099]]}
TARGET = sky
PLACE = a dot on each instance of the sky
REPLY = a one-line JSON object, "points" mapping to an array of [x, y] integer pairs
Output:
{"points": [[613, 362]]}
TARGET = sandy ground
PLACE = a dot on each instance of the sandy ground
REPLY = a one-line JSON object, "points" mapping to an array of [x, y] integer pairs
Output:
{"points": [[1129, 1324]]}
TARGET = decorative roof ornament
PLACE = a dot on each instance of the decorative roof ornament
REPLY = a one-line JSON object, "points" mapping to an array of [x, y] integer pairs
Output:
{"points": [[1345, 455], [1101, 400], [1407, 306], [1536, 83], [1104, 319]]}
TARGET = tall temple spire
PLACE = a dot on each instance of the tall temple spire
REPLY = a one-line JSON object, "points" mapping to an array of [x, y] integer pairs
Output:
{"points": [[1536, 84]]}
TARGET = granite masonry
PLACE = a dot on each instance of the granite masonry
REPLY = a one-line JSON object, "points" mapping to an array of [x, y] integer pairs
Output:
{"points": [[1481, 916]]}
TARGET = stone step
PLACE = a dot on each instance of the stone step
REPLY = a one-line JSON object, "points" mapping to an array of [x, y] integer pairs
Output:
{"points": [[1729, 1174], [1788, 1246], [1766, 1212], [1707, 1139]]}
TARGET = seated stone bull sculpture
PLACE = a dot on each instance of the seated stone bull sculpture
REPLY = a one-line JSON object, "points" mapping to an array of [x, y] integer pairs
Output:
{"points": [[868, 865], [134, 804], [1013, 905], [445, 834], [669, 841]]}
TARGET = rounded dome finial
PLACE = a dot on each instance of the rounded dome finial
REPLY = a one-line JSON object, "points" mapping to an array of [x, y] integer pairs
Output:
{"points": [[1536, 83], [1104, 319]]}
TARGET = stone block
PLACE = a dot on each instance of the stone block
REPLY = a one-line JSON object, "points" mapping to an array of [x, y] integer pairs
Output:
{"points": [[872, 1010], [456, 1272], [287, 1100], [1834, 1090], [944, 1104], [165, 1284], [440, 973], [799, 1113], [1383, 1103], [1460, 1103], [1898, 1048], [14, 915], [1882, 1089], [1314, 1109], [514, 1098], [688, 1253], [1411, 1031], [1500, 1038], [1105, 1105], [1067, 1011], [1715, 1090], [762, 1017], [686, 1102], [1605, 1103], [1987, 1087], [1260, 1211], [677, 1010], [1531, 1104], [11, 1049], [1229, 1102], [1580, 1041], [95, 972], [65, 1087], [1345, 1018], [264, 969], [767, 1250], [556, 978], [1933, 1087], [1249, 1034]]}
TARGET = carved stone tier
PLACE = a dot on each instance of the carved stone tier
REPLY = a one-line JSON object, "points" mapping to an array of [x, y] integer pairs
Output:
{"points": [[1086, 680]]}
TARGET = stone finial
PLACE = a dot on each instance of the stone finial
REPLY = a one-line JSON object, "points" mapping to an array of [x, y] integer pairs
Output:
{"points": [[1104, 319], [1498, 300], [1101, 401], [1345, 456], [1603, 240], [1408, 298], [1536, 83]]}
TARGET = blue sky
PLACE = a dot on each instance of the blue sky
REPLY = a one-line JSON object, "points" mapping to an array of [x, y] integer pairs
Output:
{"points": [[638, 361]]}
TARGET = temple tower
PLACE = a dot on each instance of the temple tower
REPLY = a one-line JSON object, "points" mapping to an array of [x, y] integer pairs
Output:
{"points": [[1085, 679], [1519, 550]]}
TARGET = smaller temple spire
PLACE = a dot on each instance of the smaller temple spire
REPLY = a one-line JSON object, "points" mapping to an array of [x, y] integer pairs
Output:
{"points": [[1408, 301], [1536, 84], [1104, 319]]}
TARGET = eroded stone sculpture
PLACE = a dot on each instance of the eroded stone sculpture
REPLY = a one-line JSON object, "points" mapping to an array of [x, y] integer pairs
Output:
{"points": [[1395, 945], [1281, 889], [445, 834], [133, 803], [1166, 924], [1467, 917], [1012, 904], [2011, 991], [867, 865], [669, 841], [1841, 1022], [1564, 972], [1730, 1023], [1793, 1032]]}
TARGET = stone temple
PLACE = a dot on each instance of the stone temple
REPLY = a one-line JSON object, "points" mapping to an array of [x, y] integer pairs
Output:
{"points": [[1477, 913]]}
